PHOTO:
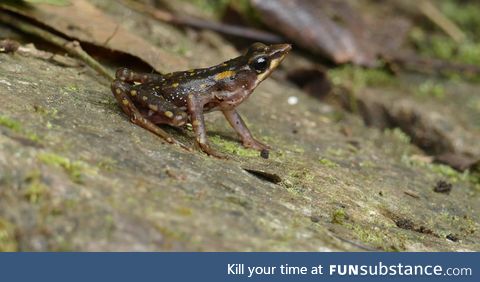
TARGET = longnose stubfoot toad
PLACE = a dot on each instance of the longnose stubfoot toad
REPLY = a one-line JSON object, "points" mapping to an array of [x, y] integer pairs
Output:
{"points": [[183, 97]]}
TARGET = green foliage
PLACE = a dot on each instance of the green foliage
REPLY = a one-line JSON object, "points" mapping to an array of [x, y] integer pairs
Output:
{"points": [[443, 47], [437, 44], [357, 77], [464, 14]]}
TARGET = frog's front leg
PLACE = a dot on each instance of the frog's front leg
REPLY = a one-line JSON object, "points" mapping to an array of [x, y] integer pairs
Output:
{"points": [[240, 127], [120, 90], [195, 109]]}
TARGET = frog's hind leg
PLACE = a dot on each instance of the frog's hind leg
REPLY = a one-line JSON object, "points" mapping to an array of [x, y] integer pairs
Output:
{"points": [[160, 110], [127, 75], [120, 90]]}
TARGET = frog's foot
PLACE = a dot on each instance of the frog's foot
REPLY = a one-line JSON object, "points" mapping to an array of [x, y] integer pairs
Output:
{"points": [[177, 120], [254, 144], [211, 152], [120, 90], [127, 75]]}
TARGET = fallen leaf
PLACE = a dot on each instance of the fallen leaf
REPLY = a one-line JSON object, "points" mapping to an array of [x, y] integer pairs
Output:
{"points": [[84, 22]]}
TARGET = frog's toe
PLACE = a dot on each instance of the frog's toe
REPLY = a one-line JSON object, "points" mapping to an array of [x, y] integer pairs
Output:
{"points": [[254, 144], [179, 119], [211, 152], [119, 87]]}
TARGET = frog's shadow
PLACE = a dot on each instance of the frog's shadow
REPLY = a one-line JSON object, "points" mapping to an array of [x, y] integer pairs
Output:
{"points": [[186, 134], [224, 135]]}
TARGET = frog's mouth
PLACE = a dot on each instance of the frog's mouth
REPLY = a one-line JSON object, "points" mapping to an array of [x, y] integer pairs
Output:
{"points": [[279, 51]]}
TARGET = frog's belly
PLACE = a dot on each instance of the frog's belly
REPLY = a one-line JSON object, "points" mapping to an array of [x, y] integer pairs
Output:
{"points": [[228, 100], [212, 106]]}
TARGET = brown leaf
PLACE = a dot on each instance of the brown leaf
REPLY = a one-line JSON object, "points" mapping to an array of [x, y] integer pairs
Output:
{"points": [[84, 22], [306, 24], [340, 30], [458, 161]]}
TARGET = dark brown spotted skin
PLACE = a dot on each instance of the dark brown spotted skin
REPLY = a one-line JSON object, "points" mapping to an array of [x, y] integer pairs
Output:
{"points": [[182, 97]]}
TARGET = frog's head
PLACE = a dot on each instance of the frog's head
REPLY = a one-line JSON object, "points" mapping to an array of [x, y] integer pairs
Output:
{"points": [[263, 59]]}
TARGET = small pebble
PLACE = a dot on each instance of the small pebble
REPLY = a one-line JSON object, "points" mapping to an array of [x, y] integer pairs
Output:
{"points": [[292, 100], [443, 187], [452, 237], [265, 153]]}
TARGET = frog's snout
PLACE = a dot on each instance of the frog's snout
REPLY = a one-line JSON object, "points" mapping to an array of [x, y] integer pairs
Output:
{"points": [[285, 48], [280, 50]]}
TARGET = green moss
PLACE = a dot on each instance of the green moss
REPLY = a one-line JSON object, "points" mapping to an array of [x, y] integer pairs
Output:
{"points": [[36, 189], [367, 164], [430, 89], [8, 243], [107, 164], [445, 171], [184, 211], [337, 152], [463, 224], [71, 88], [303, 175], [74, 169], [170, 235], [293, 186], [377, 237], [233, 147], [328, 163], [339, 216], [15, 126], [399, 135], [10, 123], [356, 77], [46, 112]]}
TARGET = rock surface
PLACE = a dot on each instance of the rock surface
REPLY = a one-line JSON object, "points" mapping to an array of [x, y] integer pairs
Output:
{"points": [[75, 174]]}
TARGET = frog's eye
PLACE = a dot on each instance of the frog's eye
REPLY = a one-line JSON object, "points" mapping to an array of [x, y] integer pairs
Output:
{"points": [[260, 64]]}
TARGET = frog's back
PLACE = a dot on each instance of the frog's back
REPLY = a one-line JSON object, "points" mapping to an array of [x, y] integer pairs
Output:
{"points": [[178, 85]]}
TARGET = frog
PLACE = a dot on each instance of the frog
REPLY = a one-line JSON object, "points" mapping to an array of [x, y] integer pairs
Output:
{"points": [[182, 97]]}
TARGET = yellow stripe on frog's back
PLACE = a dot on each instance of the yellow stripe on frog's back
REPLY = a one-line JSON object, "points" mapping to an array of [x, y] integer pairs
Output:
{"points": [[224, 74]]}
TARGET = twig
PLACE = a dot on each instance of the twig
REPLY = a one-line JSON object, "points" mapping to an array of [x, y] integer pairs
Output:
{"points": [[71, 47], [432, 13], [112, 35], [227, 29]]}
